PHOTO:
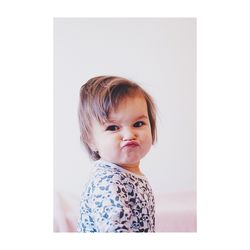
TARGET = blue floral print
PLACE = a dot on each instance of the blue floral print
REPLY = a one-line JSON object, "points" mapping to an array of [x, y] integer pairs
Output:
{"points": [[116, 200]]}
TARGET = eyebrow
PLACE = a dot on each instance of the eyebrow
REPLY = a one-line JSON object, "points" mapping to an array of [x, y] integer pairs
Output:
{"points": [[138, 118], [142, 117]]}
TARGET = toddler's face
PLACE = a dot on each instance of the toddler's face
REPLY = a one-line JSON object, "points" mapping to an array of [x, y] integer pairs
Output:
{"points": [[126, 138]]}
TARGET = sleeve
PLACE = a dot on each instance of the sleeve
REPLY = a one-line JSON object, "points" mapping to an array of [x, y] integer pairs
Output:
{"points": [[109, 202]]}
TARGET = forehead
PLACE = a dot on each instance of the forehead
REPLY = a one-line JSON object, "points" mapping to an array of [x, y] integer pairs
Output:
{"points": [[129, 108]]}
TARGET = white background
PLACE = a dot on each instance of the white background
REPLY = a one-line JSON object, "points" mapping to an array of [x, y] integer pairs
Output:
{"points": [[26, 104], [158, 53]]}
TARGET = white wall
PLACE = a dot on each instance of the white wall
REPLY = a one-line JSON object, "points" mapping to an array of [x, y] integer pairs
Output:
{"points": [[159, 54]]}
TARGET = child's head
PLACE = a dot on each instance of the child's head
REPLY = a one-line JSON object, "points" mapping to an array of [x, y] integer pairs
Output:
{"points": [[117, 119]]}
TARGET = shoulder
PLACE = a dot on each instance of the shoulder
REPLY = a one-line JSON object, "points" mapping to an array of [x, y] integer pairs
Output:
{"points": [[104, 179], [108, 172]]}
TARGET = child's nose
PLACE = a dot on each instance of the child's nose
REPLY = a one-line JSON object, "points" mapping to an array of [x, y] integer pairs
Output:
{"points": [[128, 134]]}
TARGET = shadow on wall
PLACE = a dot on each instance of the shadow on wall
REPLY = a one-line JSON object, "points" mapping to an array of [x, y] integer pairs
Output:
{"points": [[175, 212]]}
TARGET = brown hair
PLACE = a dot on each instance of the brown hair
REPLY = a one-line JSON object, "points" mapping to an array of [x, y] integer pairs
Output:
{"points": [[101, 94]]}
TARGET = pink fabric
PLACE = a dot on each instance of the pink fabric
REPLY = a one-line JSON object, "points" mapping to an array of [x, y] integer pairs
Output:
{"points": [[175, 212], [66, 211]]}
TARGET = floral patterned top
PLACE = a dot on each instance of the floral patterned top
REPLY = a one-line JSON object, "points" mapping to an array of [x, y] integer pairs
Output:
{"points": [[116, 200]]}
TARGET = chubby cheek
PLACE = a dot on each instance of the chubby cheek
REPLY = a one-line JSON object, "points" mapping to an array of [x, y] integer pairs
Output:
{"points": [[109, 147], [148, 143]]}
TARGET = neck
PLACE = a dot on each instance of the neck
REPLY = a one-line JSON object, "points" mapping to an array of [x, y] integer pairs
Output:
{"points": [[134, 168]]}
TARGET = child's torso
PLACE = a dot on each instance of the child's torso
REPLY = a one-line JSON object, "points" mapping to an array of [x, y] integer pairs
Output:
{"points": [[115, 200]]}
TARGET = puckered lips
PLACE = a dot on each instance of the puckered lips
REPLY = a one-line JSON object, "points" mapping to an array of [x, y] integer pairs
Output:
{"points": [[130, 144]]}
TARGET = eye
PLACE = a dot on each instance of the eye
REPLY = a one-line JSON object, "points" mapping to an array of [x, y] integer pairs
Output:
{"points": [[112, 128], [139, 124]]}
